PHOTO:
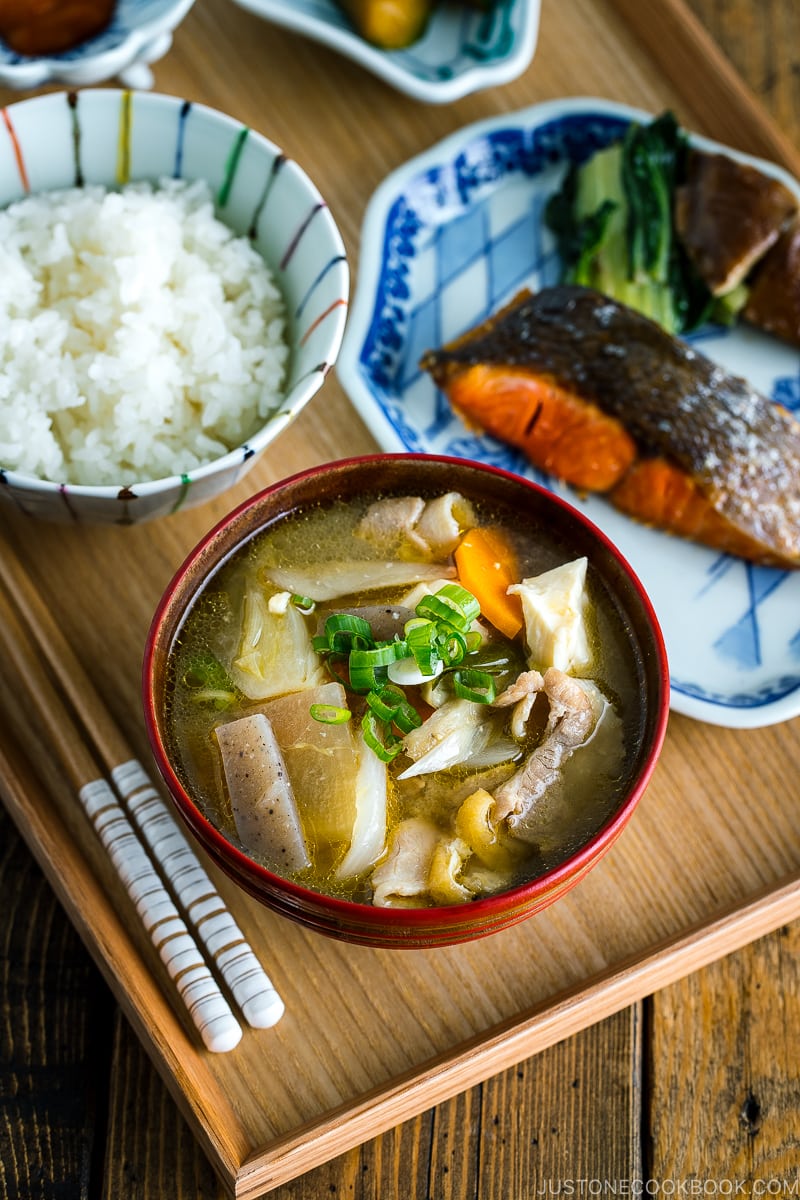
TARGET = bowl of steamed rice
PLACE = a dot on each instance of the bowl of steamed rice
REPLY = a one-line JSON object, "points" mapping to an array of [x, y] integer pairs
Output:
{"points": [[173, 291], [405, 700]]}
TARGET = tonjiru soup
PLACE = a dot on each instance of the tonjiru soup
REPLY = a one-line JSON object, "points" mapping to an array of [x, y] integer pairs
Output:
{"points": [[404, 700]]}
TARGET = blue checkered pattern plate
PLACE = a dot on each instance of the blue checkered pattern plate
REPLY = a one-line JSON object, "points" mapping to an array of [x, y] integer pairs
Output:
{"points": [[450, 237], [460, 52]]}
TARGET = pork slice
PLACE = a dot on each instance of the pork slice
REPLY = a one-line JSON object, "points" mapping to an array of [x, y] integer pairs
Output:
{"points": [[571, 719]]}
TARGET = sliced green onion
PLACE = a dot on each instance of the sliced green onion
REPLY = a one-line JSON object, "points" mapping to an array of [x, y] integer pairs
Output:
{"points": [[406, 717], [438, 610], [337, 665], [452, 604], [390, 705], [383, 710], [350, 623], [303, 604], [461, 599], [475, 685], [422, 641], [207, 672], [365, 665], [218, 697], [343, 631], [330, 714], [344, 640], [452, 645], [379, 737]]}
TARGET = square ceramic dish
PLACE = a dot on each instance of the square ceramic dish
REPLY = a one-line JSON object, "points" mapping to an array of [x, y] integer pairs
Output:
{"points": [[451, 236], [460, 52]]}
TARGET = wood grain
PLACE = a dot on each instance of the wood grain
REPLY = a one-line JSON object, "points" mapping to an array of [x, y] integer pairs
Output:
{"points": [[55, 1036], [528, 1124], [733, 1029], [736, 1029]]}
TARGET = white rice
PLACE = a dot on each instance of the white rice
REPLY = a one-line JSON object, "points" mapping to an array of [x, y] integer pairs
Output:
{"points": [[139, 337]]}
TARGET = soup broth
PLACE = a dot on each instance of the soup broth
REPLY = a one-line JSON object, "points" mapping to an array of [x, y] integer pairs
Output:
{"points": [[406, 701]]}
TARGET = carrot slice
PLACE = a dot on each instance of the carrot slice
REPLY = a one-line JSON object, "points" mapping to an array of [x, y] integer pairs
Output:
{"points": [[486, 566]]}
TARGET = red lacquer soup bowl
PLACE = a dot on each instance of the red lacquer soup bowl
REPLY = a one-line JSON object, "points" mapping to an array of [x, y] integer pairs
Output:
{"points": [[615, 589]]}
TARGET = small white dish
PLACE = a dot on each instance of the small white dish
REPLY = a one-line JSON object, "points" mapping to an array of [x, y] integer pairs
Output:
{"points": [[140, 33], [460, 52], [451, 236]]}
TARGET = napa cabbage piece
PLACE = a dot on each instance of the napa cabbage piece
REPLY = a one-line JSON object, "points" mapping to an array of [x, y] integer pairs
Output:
{"points": [[275, 654], [330, 580], [259, 789], [322, 763], [555, 606], [368, 839]]}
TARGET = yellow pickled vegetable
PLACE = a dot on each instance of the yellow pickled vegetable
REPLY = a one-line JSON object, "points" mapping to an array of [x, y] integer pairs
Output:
{"points": [[389, 24]]}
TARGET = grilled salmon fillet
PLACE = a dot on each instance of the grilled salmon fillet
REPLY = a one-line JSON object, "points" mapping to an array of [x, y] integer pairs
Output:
{"points": [[602, 397]]}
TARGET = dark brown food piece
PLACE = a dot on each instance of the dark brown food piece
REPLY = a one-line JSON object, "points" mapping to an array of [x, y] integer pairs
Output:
{"points": [[774, 300], [706, 456], [35, 27], [727, 215]]}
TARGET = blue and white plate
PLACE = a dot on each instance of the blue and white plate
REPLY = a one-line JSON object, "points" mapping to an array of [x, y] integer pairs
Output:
{"points": [[454, 234], [460, 52], [140, 32]]}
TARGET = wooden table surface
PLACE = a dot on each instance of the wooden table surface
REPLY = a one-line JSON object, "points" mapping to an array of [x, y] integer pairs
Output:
{"points": [[694, 1091]]}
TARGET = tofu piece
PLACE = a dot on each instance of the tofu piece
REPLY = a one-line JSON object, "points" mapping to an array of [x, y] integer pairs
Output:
{"points": [[555, 605]]}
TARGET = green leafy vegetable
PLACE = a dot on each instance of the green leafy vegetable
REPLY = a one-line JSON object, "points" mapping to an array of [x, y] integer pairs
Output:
{"points": [[614, 226]]}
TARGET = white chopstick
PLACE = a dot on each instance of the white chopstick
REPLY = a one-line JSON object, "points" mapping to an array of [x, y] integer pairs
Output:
{"points": [[251, 987], [28, 629], [177, 949]]}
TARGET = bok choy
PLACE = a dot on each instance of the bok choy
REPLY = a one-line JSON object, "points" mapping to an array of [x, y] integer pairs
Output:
{"points": [[614, 226]]}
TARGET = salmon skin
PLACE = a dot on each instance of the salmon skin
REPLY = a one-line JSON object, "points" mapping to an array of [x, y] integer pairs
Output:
{"points": [[602, 397]]}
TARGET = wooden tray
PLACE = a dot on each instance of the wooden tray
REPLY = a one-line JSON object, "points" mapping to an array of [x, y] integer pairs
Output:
{"points": [[710, 861]]}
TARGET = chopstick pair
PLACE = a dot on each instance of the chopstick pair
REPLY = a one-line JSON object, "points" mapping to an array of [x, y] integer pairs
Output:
{"points": [[148, 850]]}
